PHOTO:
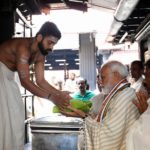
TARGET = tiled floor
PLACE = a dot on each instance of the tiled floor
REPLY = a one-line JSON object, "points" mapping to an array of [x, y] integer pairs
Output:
{"points": [[28, 146]]}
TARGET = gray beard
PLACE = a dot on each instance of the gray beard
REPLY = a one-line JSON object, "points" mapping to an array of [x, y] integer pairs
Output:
{"points": [[106, 90]]}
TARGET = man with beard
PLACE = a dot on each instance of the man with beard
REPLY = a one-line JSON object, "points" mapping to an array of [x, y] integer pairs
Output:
{"points": [[16, 55], [107, 130]]}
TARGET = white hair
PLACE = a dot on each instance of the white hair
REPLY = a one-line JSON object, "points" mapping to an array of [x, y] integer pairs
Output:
{"points": [[116, 66]]}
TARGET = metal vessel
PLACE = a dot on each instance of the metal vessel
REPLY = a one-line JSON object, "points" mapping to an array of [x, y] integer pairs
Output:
{"points": [[55, 133]]}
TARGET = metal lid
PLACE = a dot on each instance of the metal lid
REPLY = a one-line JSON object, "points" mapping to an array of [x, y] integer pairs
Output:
{"points": [[57, 122]]}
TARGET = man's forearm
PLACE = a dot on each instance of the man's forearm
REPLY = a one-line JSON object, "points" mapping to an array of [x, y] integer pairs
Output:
{"points": [[47, 87], [34, 89]]}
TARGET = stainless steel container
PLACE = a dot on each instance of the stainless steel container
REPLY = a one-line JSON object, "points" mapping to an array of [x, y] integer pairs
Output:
{"points": [[55, 133]]}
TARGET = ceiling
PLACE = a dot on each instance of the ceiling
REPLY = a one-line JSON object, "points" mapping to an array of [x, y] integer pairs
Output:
{"points": [[130, 16], [135, 27]]}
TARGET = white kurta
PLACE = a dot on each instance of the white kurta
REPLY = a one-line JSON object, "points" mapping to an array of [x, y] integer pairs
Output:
{"points": [[138, 137], [138, 85], [110, 134], [70, 85], [11, 112]]}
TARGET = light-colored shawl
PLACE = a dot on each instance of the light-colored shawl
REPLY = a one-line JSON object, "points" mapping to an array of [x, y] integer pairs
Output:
{"points": [[116, 115]]}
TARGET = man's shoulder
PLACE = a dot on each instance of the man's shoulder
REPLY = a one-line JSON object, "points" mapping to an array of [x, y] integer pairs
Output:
{"points": [[16, 44], [12, 46], [97, 97], [127, 92], [90, 92], [19, 39], [68, 81], [129, 89], [75, 94], [24, 40], [14, 41]]}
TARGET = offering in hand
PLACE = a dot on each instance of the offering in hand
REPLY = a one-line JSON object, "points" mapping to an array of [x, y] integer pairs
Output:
{"points": [[77, 104]]}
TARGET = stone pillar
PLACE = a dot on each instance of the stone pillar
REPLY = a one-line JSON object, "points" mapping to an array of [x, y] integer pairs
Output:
{"points": [[87, 58]]}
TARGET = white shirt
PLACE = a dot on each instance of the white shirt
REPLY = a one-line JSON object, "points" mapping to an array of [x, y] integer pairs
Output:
{"points": [[70, 85], [138, 86]]}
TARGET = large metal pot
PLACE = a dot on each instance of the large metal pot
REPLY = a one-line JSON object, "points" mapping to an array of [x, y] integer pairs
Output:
{"points": [[55, 133]]}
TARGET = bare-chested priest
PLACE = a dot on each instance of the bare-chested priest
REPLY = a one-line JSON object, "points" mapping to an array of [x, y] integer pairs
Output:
{"points": [[16, 55]]}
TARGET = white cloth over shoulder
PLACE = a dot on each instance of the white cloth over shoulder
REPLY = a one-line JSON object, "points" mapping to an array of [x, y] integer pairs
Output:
{"points": [[96, 103], [138, 137], [110, 134], [11, 112]]}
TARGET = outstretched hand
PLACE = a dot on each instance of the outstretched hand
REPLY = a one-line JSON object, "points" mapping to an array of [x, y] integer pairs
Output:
{"points": [[61, 99], [74, 112], [142, 103]]}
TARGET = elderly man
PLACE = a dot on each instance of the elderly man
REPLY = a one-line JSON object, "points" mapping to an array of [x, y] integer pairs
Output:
{"points": [[108, 129], [138, 137], [16, 55]]}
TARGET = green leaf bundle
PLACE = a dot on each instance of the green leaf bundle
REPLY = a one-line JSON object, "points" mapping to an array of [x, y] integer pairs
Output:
{"points": [[78, 104]]}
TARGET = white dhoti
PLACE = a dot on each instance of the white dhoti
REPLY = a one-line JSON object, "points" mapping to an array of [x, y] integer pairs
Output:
{"points": [[11, 112]]}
